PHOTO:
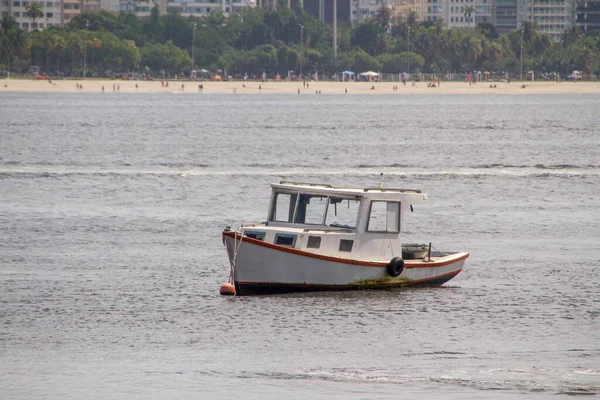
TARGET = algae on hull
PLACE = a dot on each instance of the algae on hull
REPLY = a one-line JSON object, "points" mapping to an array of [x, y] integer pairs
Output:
{"points": [[383, 281]]}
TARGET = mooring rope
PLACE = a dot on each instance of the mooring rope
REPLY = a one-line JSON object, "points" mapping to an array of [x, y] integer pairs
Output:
{"points": [[236, 248]]}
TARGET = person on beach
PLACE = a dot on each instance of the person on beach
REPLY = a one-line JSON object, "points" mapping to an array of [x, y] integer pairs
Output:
{"points": [[102, 88]]}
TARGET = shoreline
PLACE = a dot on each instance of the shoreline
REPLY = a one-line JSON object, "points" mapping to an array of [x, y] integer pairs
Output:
{"points": [[282, 87]]}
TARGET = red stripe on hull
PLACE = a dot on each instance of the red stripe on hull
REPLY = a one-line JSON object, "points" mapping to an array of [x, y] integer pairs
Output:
{"points": [[408, 263]]}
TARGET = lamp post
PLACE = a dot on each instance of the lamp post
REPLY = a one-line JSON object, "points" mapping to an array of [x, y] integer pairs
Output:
{"points": [[408, 52], [522, 30], [334, 29], [87, 25], [2, 48], [193, 48], [301, 48]]}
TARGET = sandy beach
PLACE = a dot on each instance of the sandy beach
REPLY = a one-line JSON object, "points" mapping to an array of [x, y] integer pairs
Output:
{"points": [[272, 87]]}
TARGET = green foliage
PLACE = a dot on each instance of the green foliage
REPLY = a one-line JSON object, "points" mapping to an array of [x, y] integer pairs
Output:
{"points": [[256, 41], [166, 57], [13, 41], [35, 11], [371, 38]]}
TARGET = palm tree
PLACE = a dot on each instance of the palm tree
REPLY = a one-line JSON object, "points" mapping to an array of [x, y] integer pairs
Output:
{"points": [[471, 48], [13, 40], [571, 35], [95, 43], [49, 42], [35, 11], [542, 44], [468, 12], [60, 46]]}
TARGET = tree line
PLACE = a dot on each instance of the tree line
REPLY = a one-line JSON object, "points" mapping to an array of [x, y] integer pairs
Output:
{"points": [[256, 41]]}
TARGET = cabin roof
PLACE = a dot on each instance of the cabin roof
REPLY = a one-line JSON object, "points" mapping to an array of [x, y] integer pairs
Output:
{"points": [[386, 194]]}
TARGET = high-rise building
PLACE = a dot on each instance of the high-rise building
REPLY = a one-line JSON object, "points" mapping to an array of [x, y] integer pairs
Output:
{"points": [[52, 13], [588, 15], [70, 9], [433, 10], [552, 17], [466, 13], [187, 8], [323, 9], [505, 15], [402, 8]]}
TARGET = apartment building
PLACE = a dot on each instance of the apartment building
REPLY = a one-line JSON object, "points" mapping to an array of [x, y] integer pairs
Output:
{"points": [[402, 8], [18, 10], [588, 15], [456, 15], [361, 10], [433, 10], [97, 5], [552, 16], [187, 8]]}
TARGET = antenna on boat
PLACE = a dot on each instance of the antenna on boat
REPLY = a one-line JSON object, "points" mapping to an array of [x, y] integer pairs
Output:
{"points": [[380, 181]]}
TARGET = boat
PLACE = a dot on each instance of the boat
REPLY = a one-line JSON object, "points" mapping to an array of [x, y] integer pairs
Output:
{"points": [[323, 238]]}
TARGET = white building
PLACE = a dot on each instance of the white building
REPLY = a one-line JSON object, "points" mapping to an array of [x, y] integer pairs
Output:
{"points": [[454, 14], [552, 16], [187, 8], [364, 9], [53, 13]]}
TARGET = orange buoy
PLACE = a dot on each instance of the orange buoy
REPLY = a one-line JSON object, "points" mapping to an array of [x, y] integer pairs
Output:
{"points": [[227, 289]]}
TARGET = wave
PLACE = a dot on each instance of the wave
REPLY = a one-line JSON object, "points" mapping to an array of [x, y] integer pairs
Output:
{"points": [[510, 380], [539, 166], [395, 165], [13, 169]]}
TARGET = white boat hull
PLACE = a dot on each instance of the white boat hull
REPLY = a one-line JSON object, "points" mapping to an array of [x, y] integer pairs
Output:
{"points": [[261, 267]]}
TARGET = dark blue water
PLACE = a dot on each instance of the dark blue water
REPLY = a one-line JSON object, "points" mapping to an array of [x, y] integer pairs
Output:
{"points": [[111, 209]]}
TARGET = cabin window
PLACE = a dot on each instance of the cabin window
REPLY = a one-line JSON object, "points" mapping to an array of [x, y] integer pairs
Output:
{"points": [[284, 239], [255, 235], [311, 209], [342, 213], [284, 205], [314, 242], [384, 217], [346, 245]]}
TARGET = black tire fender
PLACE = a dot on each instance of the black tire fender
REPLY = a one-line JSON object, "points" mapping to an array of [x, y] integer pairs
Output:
{"points": [[395, 267]]}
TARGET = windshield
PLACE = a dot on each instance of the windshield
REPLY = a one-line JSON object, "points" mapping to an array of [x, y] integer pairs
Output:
{"points": [[312, 209], [342, 213]]}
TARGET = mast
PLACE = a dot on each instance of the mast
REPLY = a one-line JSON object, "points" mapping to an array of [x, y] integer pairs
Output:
{"points": [[334, 29]]}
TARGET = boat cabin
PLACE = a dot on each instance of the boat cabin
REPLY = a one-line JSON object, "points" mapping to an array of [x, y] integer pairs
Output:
{"points": [[325, 219], [328, 208]]}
